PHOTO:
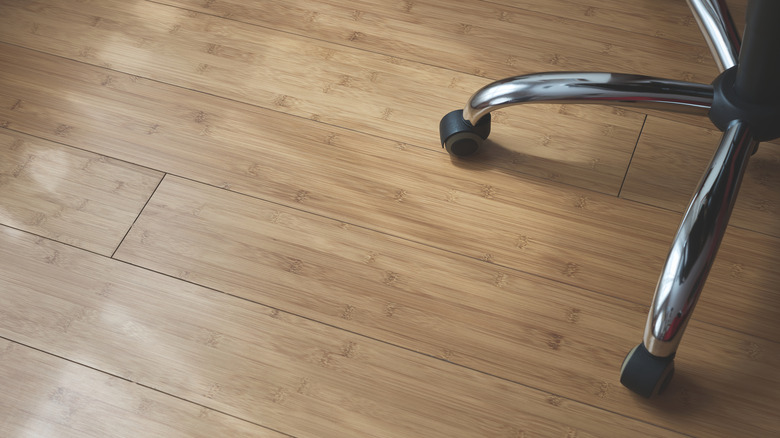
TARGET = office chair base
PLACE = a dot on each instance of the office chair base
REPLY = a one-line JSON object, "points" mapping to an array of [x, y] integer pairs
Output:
{"points": [[728, 106], [742, 102], [600, 88], [459, 137], [645, 374]]}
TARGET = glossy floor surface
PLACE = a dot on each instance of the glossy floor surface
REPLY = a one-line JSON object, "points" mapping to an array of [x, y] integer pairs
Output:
{"points": [[231, 218]]}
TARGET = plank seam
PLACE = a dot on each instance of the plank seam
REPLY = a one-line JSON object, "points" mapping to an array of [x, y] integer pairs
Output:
{"points": [[633, 153], [142, 385], [138, 216]]}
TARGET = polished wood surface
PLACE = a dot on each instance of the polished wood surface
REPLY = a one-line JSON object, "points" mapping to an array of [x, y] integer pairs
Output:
{"points": [[671, 157], [231, 218], [267, 366], [69, 195], [46, 396]]}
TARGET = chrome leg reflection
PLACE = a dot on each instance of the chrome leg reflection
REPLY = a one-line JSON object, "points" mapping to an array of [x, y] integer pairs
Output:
{"points": [[719, 31], [590, 88], [696, 243]]}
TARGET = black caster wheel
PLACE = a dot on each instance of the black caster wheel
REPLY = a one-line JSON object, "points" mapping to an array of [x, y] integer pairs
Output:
{"points": [[645, 374], [459, 137]]}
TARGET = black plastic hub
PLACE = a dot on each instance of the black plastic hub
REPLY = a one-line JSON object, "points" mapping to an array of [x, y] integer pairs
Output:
{"points": [[727, 106], [464, 147], [645, 374], [453, 123]]}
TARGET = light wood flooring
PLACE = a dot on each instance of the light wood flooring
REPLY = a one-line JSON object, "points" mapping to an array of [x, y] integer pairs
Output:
{"points": [[229, 218]]}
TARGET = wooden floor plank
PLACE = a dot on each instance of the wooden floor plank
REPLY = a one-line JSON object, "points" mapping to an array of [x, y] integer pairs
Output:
{"points": [[373, 93], [45, 396], [670, 159], [668, 19], [573, 236], [270, 367], [462, 310], [72, 196], [491, 40], [496, 51], [429, 297]]}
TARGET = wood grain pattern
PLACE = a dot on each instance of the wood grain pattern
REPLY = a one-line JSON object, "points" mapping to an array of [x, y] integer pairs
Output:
{"points": [[669, 19], [46, 396], [476, 210], [324, 269], [670, 159], [374, 93], [76, 197], [489, 39], [488, 44], [495, 51], [462, 310], [270, 367]]}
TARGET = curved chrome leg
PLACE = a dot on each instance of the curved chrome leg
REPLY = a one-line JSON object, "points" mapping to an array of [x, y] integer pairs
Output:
{"points": [[590, 87], [719, 31], [697, 241]]}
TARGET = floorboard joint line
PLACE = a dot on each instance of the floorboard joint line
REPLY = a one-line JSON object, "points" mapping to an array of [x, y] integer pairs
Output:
{"points": [[631, 159], [151, 388], [138, 216], [11, 227]]}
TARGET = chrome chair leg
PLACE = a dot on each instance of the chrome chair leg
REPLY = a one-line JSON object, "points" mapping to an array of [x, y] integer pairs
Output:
{"points": [[696, 243], [463, 131], [648, 368], [590, 88], [742, 102], [719, 31]]}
